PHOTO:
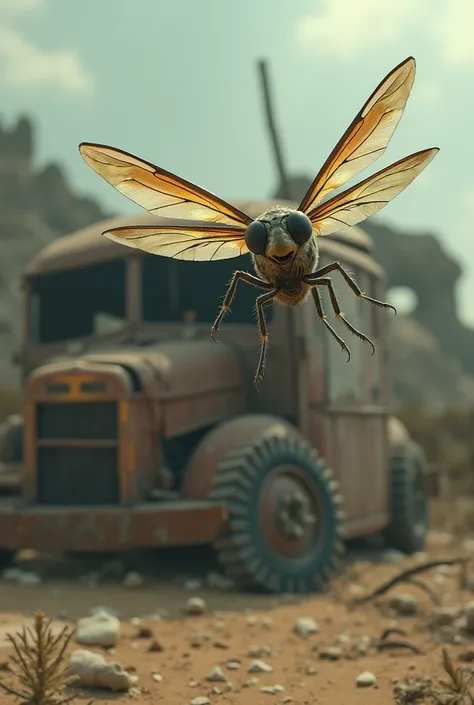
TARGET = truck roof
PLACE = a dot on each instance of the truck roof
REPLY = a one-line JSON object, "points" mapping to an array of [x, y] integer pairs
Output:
{"points": [[87, 246]]}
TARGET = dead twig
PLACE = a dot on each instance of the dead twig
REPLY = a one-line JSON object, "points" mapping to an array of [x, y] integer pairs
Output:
{"points": [[406, 576], [384, 643]]}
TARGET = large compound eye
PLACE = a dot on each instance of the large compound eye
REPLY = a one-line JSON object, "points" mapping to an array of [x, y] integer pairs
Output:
{"points": [[299, 226], [256, 237]]}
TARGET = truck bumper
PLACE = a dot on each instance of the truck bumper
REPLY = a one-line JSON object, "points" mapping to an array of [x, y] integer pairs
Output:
{"points": [[177, 523]]}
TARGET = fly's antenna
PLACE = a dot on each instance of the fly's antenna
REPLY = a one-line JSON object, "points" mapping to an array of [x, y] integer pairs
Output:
{"points": [[285, 183]]}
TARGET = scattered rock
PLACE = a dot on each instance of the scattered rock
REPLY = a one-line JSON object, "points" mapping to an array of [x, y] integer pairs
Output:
{"points": [[11, 575], [193, 584], [444, 616], [404, 604], [133, 580], [219, 581], [330, 653], [157, 677], [200, 701], [251, 620], [305, 626], [155, 646], [195, 606], [27, 578], [93, 671], [256, 651], [217, 675], [259, 667], [101, 629], [100, 608], [391, 555], [248, 683], [233, 665], [272, 689], [365, 680]]}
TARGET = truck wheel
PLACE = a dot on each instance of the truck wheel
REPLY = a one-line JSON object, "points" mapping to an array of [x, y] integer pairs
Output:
{"points": [[283, 532], [409, 504]]}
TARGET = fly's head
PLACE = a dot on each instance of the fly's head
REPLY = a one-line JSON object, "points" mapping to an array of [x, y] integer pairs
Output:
{"points": [[281, 237]]}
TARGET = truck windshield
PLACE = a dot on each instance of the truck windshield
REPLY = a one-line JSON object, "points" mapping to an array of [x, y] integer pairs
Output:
{"points": [[77, 303], [174, 289]]}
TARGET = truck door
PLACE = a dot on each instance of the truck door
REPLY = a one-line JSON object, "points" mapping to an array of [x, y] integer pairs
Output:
{"points": [[349, 422]]}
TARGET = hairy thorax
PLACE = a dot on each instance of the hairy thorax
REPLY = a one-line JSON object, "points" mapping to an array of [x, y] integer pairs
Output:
{"points": [[288, 277]]}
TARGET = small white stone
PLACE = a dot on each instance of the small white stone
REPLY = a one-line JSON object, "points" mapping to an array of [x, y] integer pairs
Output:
{"points": [[193, 584], [331, 653], [101, 629], [133, 580], [217, 675], [200, 701], [233, 665], [195, 606], [259, 667], [404, 604], [157, 677], [27, 578], [255, 651], [305, 626], [93, 671], [365, 680], [12, 575]]}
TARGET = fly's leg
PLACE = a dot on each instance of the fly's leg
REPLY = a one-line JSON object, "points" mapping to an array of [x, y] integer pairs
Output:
{"points": [[262, 301], [323, 319], [325, 281], [230, 293], [337, 267]]}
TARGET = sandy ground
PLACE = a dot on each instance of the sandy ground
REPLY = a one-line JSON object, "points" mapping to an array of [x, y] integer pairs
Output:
{"points": [[234, 622]]}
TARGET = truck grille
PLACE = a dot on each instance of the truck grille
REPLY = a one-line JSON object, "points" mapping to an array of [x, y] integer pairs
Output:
{"points": [[70, 474]]}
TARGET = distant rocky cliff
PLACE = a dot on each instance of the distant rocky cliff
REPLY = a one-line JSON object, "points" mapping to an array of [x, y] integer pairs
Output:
{"points": [[36, 205]]}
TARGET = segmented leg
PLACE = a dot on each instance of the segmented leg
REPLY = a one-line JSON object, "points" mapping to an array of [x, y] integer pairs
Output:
{"points": [[325, 281], [323, 319], [230, 293], [262, 301], [336, 267]]}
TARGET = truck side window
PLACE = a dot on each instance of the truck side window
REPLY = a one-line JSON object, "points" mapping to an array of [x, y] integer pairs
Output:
{"points": [[172, 289], [77, 303]]}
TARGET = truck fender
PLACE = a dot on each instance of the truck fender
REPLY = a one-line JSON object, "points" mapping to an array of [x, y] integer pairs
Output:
{"points": [[220, 441]]}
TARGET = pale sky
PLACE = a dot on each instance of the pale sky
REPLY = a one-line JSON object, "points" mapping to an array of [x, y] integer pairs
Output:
{"points": [[175, 82]]}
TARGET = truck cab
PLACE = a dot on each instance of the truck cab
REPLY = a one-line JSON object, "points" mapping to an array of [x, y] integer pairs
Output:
{"points": [[139, 430]]}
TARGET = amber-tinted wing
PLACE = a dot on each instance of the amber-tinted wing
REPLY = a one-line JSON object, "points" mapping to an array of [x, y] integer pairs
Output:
{"points": [[157, 190], [367, 137], [191, 242], [368, 197]]}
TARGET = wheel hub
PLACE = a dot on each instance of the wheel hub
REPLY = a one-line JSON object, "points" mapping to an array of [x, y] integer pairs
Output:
{"points": [[294, 515], [290, 512]]}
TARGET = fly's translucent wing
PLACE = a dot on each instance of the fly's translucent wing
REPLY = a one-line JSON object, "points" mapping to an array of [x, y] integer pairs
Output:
{"points": [[367, 137], [190, 242], [368, 197], [157, 190]]}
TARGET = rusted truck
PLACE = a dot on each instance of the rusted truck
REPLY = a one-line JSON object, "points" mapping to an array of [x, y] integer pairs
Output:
{"points": [[140, 431]]}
